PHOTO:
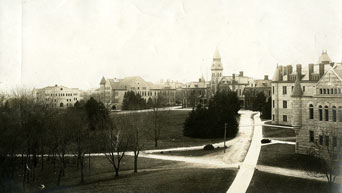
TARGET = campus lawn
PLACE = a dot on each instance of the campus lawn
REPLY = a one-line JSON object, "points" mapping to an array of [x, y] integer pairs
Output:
{"points": [[284, 156], [195, 153], [172, 134], [274, 132], [153, 176], [263, 182]]}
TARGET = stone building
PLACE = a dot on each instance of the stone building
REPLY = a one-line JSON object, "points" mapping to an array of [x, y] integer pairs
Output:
{"points": [[310, 102], [250, 93], [112, 91], [58, 96]]}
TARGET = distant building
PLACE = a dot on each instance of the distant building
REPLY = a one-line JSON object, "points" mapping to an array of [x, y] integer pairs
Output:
{"points": [[58, 96], [250, 93], [112, 91], [311, 102]]}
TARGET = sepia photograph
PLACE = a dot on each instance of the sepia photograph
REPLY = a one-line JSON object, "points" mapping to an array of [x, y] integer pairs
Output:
{"points": [[170, 96]]}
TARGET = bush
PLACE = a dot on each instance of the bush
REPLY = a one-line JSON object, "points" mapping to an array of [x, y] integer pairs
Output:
{"points": [[208, 147], [265, 141]]}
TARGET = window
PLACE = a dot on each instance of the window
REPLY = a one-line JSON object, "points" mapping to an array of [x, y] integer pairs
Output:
{"points": [[320, 91], [312, 136], [340, 114], [326, 112], [335, 91], [285, 104], [334, 141], [272, 89], [273, 103], [334, 114], [285, 118], [331, 91], [324, 91], [303, 88], [284, 90], [273, 117], [327, 140], [320, 110], [311, 109], [328, 92], [292, 88], [321, 140]]}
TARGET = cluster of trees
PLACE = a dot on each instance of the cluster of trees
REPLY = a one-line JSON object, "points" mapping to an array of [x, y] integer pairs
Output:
{"points": [[32, 135], [262, 104], [134, 101], [209, 122]]}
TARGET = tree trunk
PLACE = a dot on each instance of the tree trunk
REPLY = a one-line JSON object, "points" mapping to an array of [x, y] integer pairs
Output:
{"points": [[116, 171], [42, 158], [136, 164], [155, 142], [82, 174], [61, 172]]}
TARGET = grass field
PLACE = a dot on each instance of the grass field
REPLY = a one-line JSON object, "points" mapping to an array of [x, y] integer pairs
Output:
{"points": [[263, 182], [274, 132], [284, 156], [172, 134], [153, 176]]}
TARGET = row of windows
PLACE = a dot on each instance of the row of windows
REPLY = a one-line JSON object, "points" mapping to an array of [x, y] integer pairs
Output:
{"points": [[284, 118], [284, 104], [326, 113], [329, 91], [285, 89], [324, 139], [61, 94]]}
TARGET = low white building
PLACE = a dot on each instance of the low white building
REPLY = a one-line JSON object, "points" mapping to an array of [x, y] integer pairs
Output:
{"points": [[58, 96]]}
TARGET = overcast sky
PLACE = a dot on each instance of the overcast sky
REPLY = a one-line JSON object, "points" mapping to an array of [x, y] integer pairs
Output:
{"points": [[76, 42]]}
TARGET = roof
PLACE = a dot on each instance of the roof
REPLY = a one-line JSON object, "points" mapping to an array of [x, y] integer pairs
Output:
{"points": [[297, 90], [103, 80], [324, 58], [217, 53]]}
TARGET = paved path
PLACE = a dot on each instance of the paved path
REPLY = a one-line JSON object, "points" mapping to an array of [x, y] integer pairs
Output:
{"points": [[245, 174], [296, 173]]}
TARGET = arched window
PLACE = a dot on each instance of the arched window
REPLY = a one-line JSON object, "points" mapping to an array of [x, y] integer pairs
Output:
{"points": [[311, 109], [324, 91], [320, 110], [334, 113], [326, 112], [61, 105], [340, 114]]}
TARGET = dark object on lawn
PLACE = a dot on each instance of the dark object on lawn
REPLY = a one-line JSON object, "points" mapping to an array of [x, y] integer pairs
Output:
{"points": [[161, 152], [209, 147], [265, 141]]}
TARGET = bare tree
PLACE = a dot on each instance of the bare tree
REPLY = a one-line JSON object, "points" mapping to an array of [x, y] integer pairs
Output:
{"points": [[157, 119], [137, 131], [116, 142], [327, 150]]}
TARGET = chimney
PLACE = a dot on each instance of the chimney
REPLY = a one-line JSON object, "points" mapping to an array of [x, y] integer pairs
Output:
{"points": [[285, 71], [311, 70], [241, 73], [265, 77], [289, 69], [233, 76], [299, 70], [321, 69], [280, 73]]}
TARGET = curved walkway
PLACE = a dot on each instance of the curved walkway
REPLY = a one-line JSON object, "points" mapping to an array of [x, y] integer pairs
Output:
{"points": [[245, 174]]}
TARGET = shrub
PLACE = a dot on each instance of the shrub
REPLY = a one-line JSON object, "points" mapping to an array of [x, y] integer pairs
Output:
{"points": [[208, 147]]}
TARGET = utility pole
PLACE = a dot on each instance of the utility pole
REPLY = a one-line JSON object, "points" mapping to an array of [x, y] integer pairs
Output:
{"points": [[224, 138]]}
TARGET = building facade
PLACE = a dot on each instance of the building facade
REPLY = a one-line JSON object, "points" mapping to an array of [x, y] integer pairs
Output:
{"points": [[58, 96], [311, 103]]}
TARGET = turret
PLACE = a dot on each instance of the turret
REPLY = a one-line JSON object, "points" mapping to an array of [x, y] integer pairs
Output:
{"points": [[216, 70], [296, 96]]}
